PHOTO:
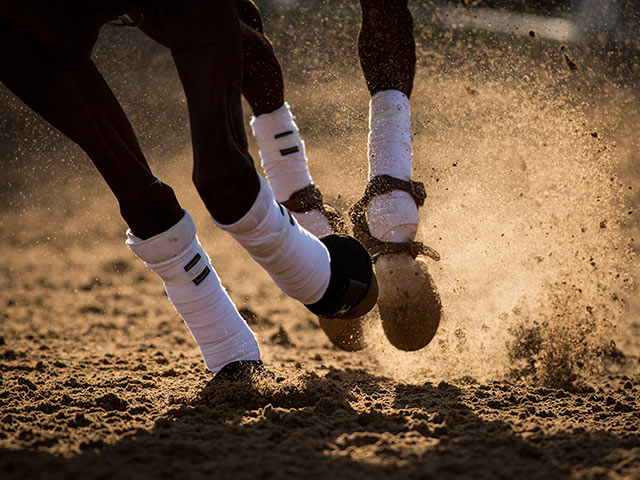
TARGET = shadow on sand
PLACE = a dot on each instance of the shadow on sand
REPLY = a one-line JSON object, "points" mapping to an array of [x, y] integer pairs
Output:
{"points": [[347, 424]]}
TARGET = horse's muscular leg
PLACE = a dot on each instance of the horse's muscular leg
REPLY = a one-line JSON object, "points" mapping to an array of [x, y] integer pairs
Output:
{"points": [[386, 46], [262, 82], [206, 44], [73, 96]]}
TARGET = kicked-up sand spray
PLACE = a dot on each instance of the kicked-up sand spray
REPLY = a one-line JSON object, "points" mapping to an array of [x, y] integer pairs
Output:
{"points": [[527, 211]]}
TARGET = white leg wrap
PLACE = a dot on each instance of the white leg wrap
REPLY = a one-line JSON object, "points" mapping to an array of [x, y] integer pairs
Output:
{"points": [[196, 293], [392, 217], [296, 260], [285, 163]]}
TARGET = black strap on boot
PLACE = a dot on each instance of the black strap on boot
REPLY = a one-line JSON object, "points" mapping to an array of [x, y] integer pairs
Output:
{"points": [[310, 198], [379, 185]]}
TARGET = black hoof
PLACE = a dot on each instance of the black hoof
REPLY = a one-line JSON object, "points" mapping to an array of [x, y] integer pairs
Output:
{"points": [[243, 371]]}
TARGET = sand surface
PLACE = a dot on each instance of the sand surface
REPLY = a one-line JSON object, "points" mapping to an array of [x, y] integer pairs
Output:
{"points": [[532, 179]]}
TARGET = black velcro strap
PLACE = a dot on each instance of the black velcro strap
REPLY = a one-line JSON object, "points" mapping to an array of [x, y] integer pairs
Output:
{"points": [[283, 134], [289, 151], [202, 275], [192, 263]]}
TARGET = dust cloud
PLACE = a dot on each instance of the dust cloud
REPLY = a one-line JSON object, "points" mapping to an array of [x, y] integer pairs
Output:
{"points": [[528, 210]]}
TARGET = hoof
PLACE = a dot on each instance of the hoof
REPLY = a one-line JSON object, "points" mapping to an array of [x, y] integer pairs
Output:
{"points": [[345, 334], [243, 371], [409, 304]]}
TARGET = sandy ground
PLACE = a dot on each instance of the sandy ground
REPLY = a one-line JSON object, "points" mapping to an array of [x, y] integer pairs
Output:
{"points": [[533, 373], [100, 379]]}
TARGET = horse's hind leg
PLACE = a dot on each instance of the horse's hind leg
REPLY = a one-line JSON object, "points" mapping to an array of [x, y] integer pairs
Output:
{"points": [[386, 46], [74, 98]]}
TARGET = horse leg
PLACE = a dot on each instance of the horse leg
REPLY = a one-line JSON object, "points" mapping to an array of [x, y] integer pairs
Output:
{"points": [[262, 81], [387, 56], [74, 98], [282, 151], [386, 219], [206, 43], [386, 46], [263, 88]]}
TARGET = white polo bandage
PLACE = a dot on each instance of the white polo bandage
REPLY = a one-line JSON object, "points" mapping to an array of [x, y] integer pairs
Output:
{"points": [[392, 217], [194, 288], [284, 160], [281, 152], [296, 260]]}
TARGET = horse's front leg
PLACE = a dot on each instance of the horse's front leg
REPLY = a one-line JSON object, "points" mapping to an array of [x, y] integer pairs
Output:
{"points": [[205, 39], [71, 94]]}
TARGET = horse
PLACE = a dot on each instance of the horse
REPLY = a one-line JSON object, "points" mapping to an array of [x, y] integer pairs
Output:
{"points": [[46, 62]]}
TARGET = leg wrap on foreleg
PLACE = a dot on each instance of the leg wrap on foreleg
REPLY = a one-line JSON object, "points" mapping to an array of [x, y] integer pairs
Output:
{"points": [[393, 216], [196, 293], [385, 219], [296, 260]]}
